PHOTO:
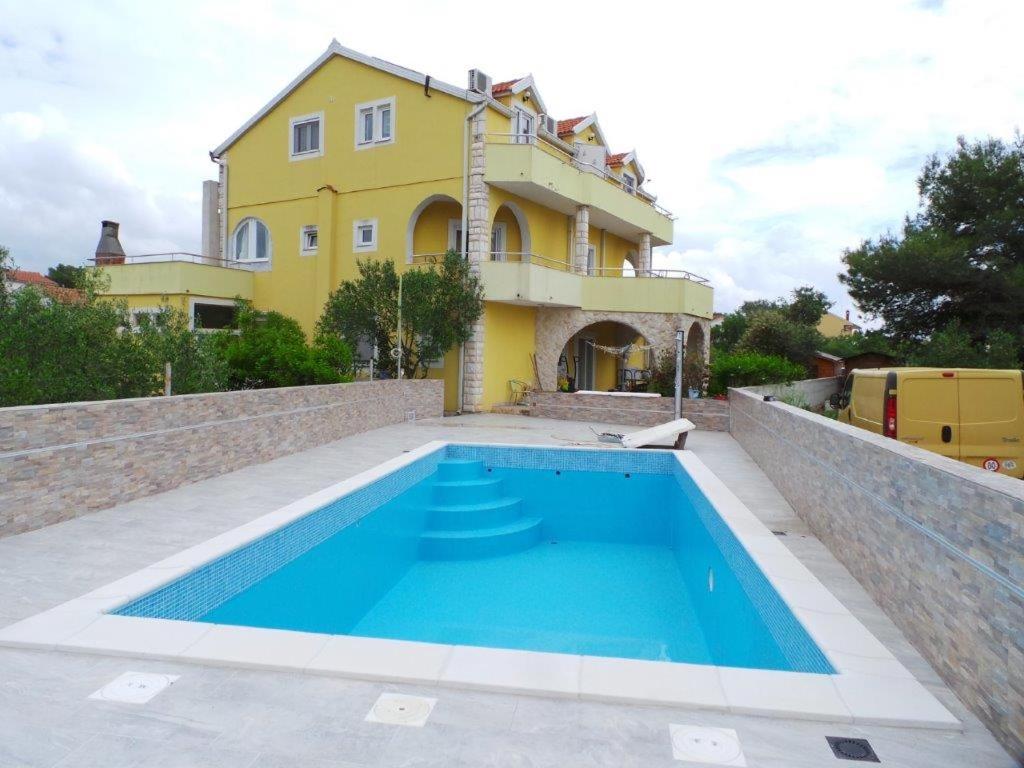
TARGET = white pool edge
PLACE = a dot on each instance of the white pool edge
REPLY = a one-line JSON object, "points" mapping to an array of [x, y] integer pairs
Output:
{"points": [[871, 686]]}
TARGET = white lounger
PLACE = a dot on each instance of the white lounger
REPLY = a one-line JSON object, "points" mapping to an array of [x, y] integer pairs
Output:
{"points": [[672, 430]]}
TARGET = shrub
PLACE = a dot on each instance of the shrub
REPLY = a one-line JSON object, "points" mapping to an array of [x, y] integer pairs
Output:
{"points": [[270, 350], [196, 365], [773, 333], [744, 369]]}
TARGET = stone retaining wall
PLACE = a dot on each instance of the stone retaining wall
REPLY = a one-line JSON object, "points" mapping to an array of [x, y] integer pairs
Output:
{"points": [[60, 461], [712, 415], [814, 392], [937, 543]]}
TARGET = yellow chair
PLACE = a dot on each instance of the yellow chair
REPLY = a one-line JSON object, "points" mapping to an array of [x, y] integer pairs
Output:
{"points": [[517, 391]]}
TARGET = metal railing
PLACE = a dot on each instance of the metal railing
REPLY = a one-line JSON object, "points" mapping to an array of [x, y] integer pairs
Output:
{"points": [[562, 265], [175, 256], [567, 157]]}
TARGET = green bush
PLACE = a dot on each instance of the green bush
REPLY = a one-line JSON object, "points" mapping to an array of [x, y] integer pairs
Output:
{"points": [[745, 369], [196, 365], [269, 349], [773, 333]]}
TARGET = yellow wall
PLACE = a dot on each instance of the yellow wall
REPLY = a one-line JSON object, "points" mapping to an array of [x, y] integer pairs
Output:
{"points": [[509, 333], [832, 325], [549, 229], [450, 374], [513, 237], [431, 232]]}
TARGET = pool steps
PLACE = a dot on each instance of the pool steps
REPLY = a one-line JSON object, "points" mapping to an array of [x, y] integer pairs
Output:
{"points": [[470, 517]]}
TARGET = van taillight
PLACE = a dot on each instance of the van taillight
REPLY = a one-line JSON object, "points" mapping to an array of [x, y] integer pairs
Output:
{"points": [[889, 425]]}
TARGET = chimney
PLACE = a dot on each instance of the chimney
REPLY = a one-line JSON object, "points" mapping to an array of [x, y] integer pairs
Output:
{"points": [[109, 250], [847, 315]]}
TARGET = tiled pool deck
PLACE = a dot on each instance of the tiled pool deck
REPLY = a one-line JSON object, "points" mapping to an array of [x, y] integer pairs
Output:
{"points": [[225, 717]]}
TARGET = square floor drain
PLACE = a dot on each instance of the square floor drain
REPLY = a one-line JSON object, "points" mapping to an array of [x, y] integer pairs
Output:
{"points": [[846, 748], [399, 709], [700, 744], [134, 687]]}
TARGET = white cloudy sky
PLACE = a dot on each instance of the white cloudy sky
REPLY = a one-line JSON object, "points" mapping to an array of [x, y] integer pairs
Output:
{"points": [[779, 133]]}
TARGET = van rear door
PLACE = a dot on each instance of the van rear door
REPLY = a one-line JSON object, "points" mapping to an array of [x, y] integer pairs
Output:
{"points": [[992, 420], [928, 411]]}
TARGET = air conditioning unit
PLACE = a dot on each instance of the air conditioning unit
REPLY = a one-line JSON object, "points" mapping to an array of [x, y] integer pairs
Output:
{"points": [[547, 123], [479, 82]]}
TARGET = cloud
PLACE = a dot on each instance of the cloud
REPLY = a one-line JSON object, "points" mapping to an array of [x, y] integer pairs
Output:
{"points": [[779, 134]]}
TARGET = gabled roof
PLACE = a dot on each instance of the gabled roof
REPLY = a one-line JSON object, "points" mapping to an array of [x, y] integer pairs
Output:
{"points": [[518, 86], [29, 278], [624, 158], [337, 49], [576, 125], [45, 284]]}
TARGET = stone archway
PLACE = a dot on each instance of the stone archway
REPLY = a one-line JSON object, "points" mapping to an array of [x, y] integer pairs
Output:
{"points": [[555, 326], [695, 340]]}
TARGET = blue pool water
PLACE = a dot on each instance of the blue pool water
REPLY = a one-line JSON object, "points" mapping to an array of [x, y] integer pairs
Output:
{"points": [[613, 553]]}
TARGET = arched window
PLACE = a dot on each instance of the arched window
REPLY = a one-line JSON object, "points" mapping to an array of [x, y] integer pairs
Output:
{"points": [[250, 241]]}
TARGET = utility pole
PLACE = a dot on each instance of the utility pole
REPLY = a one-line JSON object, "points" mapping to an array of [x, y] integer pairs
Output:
{"points": [[398, 344], [167, 379]]}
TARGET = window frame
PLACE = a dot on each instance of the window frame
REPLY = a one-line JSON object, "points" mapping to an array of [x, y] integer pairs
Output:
{"points": [[252, 247], [376, 109], [193, 300], [358, 246], [304, 232], [299, 120], [455, 235], [518, 113], [629, 182], [501, 229]]}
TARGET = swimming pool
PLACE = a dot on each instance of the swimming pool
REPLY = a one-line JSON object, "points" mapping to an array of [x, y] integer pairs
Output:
{"points": [[592, 573], [536, 549]]}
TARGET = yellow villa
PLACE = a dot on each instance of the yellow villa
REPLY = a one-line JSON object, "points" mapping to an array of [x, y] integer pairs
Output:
{"points": [[358, 158]]}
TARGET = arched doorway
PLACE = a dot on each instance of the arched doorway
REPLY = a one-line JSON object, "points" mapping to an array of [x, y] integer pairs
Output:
{"points": [[435, 226], [605, 356], [510, 233]]}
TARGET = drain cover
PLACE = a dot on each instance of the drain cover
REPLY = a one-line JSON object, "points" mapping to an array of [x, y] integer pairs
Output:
{"points": [[846, 748], [700, 744], [134, 687], [398, 709]]}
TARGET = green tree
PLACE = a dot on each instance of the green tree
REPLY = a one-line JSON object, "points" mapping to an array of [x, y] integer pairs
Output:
{"points": [[56, 352], [772, 332], [960, 258], [440, 304], [953, 347], [67, 275], [196, 365], [807, 306], [270, 350]]}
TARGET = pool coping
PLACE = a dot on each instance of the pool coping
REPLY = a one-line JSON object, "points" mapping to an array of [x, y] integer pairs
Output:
{"points": [[870, 687]]}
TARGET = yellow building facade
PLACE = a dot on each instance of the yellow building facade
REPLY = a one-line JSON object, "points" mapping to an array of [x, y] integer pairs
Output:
{"points": [[358, 158]]}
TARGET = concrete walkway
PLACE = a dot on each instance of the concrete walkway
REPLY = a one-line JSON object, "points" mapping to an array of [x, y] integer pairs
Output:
{"points": [[225, 718]]}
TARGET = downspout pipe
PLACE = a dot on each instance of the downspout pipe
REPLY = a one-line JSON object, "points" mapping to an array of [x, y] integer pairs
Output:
{"points": [[465, 223]]}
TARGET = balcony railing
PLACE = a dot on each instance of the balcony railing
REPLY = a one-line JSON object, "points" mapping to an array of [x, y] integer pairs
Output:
{"points": [[160, 258], [562, 266], [569, 158]]}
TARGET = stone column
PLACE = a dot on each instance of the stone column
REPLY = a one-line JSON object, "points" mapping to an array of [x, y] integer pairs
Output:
{"points": [[478, 246], [581, 239], [644, 268]]}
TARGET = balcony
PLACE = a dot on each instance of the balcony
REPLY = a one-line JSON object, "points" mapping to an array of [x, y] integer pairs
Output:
{"points": [[159, 274], [533, 280], [541, 172]]}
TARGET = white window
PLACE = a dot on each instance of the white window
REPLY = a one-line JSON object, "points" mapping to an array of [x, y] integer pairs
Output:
{"points": [[251, 241], [375, 123], [309, 239], [213, 314], [523, 126], [591, 259], [306, 136], [364, 235], [629, 182], [455, 235], [498, 241]]}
